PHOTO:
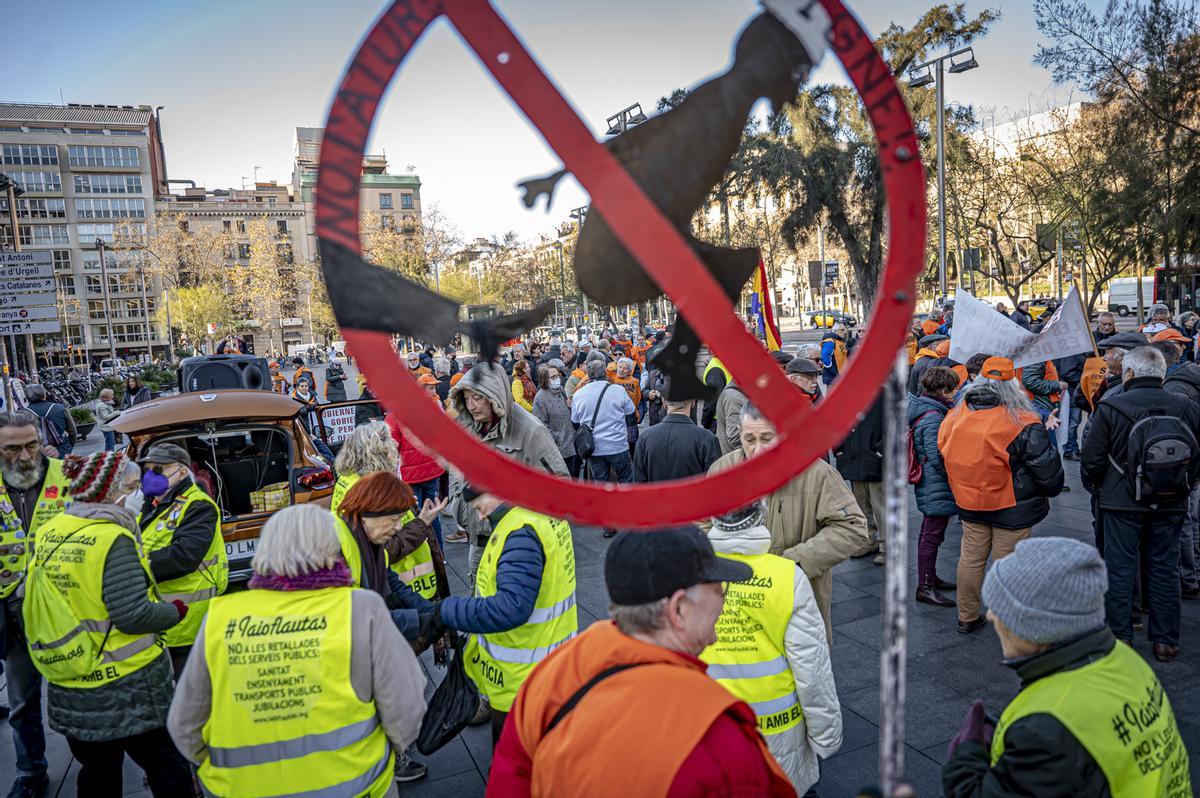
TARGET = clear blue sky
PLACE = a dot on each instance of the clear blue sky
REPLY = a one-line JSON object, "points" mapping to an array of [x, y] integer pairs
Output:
{"points": [[237, 77]]}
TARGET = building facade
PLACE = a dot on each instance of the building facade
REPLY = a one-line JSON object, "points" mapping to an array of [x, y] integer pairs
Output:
{"points": [[234, 213], [83, 171]]}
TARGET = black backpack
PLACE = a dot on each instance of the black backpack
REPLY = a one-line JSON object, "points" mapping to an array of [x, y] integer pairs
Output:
{"points": [[1158, 458]]}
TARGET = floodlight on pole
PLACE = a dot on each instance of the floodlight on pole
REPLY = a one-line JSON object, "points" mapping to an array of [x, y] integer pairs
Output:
{"points": [[933, 71], [624, 119]]}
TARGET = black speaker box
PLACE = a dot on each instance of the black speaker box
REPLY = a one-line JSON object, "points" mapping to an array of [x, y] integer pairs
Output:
{"points": [[206, 372]]}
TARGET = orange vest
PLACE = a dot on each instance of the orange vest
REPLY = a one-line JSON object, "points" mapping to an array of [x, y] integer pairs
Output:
{"points": [[1051, 375], [632, 732], [974, 446], [929, 326], [630, 384], [961, 371], [910, 344]]}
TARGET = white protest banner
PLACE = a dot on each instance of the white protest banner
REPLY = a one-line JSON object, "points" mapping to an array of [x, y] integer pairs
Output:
{"points": [[1064, 420], [1066, 333], [978, 329], [338, 422]]}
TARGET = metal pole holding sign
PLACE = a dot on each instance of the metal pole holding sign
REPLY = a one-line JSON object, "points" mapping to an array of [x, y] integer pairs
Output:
{"points": [[112, 344], [892, 655]]}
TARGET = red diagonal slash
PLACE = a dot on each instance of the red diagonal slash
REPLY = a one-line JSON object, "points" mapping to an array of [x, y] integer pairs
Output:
{"points": [[637, 222]]}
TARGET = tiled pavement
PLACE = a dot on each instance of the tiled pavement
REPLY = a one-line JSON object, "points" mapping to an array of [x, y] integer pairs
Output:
{"points": [[946, 671]]}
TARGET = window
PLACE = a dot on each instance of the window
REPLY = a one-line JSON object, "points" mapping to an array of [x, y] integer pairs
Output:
{"points": [[243, 250], [270, 200], [62, 259], [406, 201], [66, 283], [37, 181], [387, 220], [122, 333], [29, 154], [227, 226], [36, 235], [281, 226], [113, 261], [108, 184], [385, 201], [88, 233], [86, 131], [184, 225], [241, 225], [103, 156], [127, 132], [94, 286], [37, 208], [110, 208]]}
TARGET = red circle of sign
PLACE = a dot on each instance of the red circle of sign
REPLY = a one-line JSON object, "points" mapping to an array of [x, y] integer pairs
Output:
{"points": [[804, 434]]}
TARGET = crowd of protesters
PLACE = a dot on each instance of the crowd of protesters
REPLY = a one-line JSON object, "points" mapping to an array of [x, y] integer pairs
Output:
{"points": [[720, 632]]}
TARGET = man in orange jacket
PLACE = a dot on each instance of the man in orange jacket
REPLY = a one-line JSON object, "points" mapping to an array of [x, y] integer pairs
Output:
{"points": [[626, 708]]}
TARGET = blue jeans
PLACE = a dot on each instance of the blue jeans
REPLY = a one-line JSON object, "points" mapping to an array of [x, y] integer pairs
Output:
{"points": [[24, 696], [110, 440], [1072, 444], [429, 490], [611, 467]]}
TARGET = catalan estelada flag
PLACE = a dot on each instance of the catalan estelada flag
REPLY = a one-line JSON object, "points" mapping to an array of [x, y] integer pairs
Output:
{"points": [[760, 306]]}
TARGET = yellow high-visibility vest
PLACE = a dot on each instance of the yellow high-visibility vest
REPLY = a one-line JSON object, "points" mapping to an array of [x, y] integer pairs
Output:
{"points": [[199, 587], [1117, 709], [716, 363], [499, 662], [340, 488], [749, 658], [416, 571], [350, 550], [285, 719], [72, 640], [15, 539]]}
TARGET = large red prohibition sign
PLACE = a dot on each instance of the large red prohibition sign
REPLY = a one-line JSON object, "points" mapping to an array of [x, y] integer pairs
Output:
{"points": [[804, 434]]}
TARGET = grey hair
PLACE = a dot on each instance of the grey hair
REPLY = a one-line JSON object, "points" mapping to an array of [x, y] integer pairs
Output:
{"points": [[625, 361], [1010, 393], [297, 540], [1145, 361], [1157, 308], [1185, 317], [567, 345], [369, 448], [596, 369], [103, 392], [441, 366], [35, 393], [20, 418], [643, 619], [808, 350], [752, 413]]}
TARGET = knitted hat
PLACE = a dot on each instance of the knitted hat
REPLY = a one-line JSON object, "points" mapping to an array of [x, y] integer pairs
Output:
{"points": [[1048, 589], [95, 478]]}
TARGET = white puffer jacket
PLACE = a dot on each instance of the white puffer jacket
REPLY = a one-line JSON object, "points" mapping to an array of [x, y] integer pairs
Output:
{"points": [[819, 733]]}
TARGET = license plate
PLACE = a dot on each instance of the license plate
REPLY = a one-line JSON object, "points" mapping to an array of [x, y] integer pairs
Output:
{"points": [[241, 548]]}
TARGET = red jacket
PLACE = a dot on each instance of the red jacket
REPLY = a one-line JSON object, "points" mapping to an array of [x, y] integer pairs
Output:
{"points": [[417, 464]]}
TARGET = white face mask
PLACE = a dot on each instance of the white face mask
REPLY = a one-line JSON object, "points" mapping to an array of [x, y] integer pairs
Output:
{"points": [[555, 382]]}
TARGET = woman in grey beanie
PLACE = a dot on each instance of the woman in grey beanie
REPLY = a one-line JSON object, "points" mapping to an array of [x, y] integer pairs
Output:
{"points": [[1090, 710]]}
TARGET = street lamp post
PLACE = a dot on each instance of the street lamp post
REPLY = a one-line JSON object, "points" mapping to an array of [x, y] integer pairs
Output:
{"points": [[112, 344], [933, 71], [579, 214], [562, 284]]}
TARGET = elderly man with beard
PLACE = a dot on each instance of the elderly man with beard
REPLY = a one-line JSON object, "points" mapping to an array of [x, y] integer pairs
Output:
{"points": [[34, 490]]}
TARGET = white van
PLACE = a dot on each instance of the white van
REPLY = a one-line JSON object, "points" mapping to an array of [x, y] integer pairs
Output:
{"points": [[1122, 295]]}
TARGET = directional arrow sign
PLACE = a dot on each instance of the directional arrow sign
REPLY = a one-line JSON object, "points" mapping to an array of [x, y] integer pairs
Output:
{"points": [[30, 328], [17, 265], [25, 286], [25, 300], [28, 314]]}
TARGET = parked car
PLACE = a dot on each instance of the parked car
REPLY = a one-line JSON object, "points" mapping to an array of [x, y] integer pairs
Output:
{"points": [[110, 366], [829, 318], [242, 441]]}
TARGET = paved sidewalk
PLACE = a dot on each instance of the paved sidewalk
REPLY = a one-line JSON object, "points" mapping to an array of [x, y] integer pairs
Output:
{"points": [[946, 671]]}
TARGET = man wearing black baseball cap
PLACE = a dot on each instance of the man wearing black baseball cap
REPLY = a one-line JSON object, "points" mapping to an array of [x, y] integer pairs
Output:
{"points": [[626, 707]]}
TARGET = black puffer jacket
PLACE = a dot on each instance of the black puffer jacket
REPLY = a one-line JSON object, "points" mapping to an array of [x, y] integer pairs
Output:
{"points": [[1041, 757], [1185, 382], [1036, 470], [192, 539], [860, 455], [1109, 433]]}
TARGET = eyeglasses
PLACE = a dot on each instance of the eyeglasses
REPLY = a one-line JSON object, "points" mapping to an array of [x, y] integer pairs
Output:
{"points": [[33, 447]]}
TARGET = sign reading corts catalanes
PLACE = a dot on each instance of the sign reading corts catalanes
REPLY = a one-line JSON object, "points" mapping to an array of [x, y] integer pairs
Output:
{"points": [[27, 298]]}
